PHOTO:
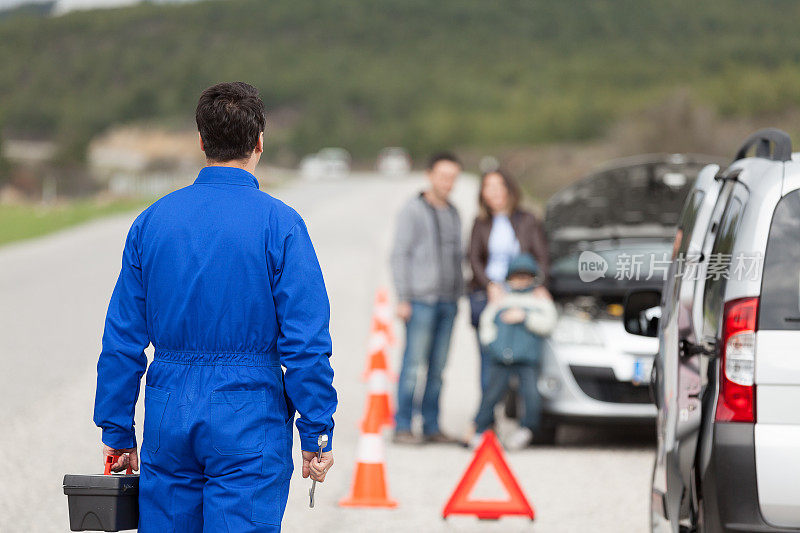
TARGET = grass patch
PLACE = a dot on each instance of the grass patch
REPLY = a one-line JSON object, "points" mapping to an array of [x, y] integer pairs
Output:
{"points": [[19, 222]]}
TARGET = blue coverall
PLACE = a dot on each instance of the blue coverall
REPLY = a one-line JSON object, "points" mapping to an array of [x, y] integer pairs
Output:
{"points": [[223, 280]]}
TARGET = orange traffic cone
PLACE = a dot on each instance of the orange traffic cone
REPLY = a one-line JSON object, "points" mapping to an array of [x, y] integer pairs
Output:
{"points": [[369, 481], [382, 316], [377, 358], [379, 407]]}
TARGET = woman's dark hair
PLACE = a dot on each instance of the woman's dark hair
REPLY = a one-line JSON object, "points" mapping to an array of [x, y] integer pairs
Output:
{"points": [[230, 117], [514, 194]]}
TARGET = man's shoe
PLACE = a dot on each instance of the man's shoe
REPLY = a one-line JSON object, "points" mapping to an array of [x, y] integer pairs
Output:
{"points": [[440, 438], [405, 437]]}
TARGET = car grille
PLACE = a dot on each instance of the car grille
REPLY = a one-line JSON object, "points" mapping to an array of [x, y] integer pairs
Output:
{"points": [[600, 384]]}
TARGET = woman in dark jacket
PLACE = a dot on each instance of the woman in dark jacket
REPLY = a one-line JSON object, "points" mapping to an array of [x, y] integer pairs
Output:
{"points": [[501, 231]]}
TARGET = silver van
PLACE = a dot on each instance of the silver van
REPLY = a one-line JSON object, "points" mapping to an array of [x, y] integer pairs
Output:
{"points": [[726, 378]]}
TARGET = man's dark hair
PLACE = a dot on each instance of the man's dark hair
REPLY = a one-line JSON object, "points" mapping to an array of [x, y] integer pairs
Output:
{"points": [[230, 117], [442, 156]]}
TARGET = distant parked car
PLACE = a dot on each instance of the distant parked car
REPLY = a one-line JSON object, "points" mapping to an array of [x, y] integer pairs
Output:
{"points": [[608, 233], [337, 162], [727, 378], [312, 167], [393, 162], [328, 163]]}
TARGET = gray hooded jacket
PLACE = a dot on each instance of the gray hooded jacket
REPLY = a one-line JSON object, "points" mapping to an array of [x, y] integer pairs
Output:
{"points": [[427, 254]]}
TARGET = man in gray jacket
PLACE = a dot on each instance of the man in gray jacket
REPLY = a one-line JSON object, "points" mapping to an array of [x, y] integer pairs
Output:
{"points": [[426, 265]]}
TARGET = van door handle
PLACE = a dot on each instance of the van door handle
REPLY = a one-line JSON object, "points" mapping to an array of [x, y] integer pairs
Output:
{"points": [[689, 349]]}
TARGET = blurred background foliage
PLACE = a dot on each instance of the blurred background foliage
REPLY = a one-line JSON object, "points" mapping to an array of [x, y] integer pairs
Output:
{"points": [[468, 74]]}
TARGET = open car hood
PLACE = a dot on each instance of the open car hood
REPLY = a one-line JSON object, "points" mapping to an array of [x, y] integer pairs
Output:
{"points": [[636, 197]]}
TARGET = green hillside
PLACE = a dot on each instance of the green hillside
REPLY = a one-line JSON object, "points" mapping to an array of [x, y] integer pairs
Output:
{"points": [[365, 74]]}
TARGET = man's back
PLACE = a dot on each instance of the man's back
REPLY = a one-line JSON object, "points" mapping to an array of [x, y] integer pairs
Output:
{"points": [[209, 255]]}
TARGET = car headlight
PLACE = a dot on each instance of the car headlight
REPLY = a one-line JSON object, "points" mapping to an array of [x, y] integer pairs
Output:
{"points": [[548, 386]]}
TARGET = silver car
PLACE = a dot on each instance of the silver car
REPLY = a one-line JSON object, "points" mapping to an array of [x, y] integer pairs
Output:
{"points": [[727, 374], [393, 162], [607, 234], [328, 163]]}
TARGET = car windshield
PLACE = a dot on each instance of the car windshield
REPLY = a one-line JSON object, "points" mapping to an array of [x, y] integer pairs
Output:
{"points": [[643, 261]]}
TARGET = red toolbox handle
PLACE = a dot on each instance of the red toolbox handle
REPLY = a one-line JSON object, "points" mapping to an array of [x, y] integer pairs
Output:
{"points": [[110, 460]]}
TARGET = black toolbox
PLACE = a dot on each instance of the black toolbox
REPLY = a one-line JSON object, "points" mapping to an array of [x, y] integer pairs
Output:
{"points": [[102, 502]]}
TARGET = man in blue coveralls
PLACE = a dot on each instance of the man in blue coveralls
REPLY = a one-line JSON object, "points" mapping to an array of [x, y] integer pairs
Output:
{"points": [[223, 280]]}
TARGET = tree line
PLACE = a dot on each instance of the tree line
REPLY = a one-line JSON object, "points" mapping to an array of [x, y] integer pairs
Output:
{"points": [[420, 74]]}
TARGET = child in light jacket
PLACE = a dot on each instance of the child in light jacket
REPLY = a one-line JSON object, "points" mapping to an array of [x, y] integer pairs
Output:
{"points": [[512, 329]]}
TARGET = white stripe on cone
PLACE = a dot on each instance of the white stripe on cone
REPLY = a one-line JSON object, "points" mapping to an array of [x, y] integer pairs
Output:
{"points": [[377, 341], [384, 314], [370, 449], [378, 382]]}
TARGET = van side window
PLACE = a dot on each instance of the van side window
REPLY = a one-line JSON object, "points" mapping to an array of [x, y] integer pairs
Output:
{"points": [[683, 236], [719, 265], [687, 220], [779, 307]]}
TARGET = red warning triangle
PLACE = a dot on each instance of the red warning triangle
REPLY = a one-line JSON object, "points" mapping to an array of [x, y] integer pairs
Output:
{"points": [[488, 453]]}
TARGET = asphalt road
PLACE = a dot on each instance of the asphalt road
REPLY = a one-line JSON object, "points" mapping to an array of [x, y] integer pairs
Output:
{"points": [[53, 295]]}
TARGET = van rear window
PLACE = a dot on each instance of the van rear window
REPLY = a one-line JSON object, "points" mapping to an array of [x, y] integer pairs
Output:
{"points": [[780, 287], [718, 268], [687, 220]]}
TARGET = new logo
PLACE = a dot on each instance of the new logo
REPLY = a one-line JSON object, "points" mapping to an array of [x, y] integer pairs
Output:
{"points": [[591, 266]]}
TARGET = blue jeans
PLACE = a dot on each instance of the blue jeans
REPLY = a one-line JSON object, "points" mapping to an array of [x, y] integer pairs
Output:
{"points": [[477, 303], [486, 364], [497, 386], [427, 343]]}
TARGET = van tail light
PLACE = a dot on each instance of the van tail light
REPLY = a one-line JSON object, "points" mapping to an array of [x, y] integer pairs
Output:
{"points": [[736, 402]]}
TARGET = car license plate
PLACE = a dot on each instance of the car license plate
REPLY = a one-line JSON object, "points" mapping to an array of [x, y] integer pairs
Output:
{"points": [[641, 371]]}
